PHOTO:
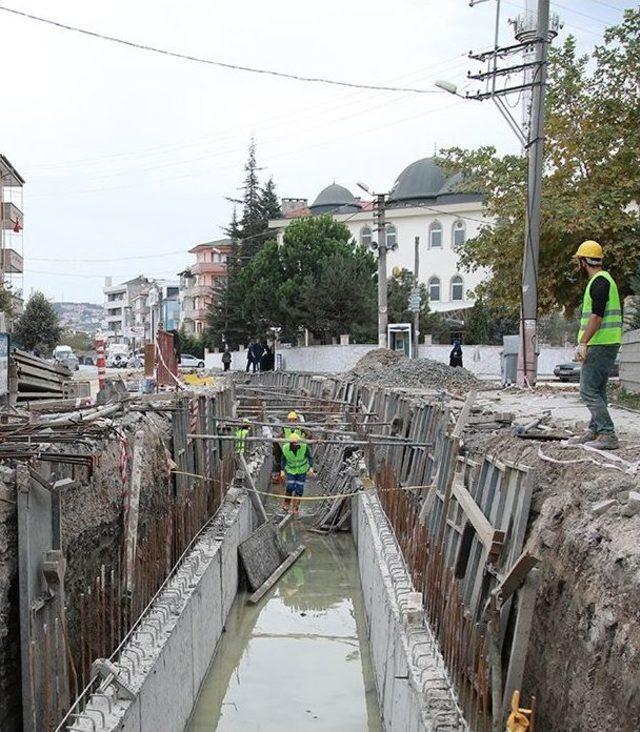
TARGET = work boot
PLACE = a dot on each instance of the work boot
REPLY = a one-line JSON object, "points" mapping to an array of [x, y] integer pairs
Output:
{"points": [[296, 506], [604, 442], [286, 503], [582, 439]]}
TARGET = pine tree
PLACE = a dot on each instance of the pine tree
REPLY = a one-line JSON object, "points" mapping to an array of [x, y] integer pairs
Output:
{"points": [[269, 203], [38, 326]]}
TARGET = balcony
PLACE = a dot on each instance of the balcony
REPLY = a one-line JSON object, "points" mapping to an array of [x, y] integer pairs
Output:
{"points": [[200, 314], [213, 268], [12, 262], [114, 318], [11, 215]]}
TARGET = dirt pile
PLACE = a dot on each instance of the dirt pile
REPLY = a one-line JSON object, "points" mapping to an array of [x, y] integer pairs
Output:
{"points": [[388, 368]]}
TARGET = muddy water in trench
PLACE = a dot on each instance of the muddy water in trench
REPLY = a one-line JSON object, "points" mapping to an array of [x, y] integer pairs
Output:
{"points": [[300, 659]]}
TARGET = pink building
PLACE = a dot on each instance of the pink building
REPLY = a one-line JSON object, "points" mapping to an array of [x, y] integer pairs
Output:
{"points": [[201, 283]]}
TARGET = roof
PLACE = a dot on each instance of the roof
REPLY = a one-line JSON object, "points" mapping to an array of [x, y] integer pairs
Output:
{"points": [[10, 176], [421, 179], [217, 244], [333, 196]]}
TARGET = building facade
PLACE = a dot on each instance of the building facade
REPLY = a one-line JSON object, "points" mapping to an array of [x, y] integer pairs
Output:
{"points": [[201, 283], [11, 223], [426, 204], [134, 310]]}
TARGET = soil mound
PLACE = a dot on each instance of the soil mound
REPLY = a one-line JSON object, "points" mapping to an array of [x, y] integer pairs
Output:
{"points": [[389, 368]]}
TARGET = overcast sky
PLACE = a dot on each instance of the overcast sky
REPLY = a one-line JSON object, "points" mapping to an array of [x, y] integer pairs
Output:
{"points": [[130, 153]]}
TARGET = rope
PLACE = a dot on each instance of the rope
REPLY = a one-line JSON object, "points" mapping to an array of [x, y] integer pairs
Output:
{"points": [[312, 498]]}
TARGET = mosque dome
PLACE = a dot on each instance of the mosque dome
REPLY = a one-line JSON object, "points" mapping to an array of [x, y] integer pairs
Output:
{"points": [[332, 197]]}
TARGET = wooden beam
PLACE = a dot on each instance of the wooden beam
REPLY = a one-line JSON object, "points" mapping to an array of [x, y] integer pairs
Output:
{"points": [[270, 582], [492, 539]]}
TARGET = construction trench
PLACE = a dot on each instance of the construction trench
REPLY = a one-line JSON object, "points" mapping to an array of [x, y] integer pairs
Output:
{"points": [[439, 565]]}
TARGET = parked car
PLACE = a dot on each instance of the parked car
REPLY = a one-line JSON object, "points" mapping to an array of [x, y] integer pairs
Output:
{"points": [[191, 362], [64, 355], [571, 371]]}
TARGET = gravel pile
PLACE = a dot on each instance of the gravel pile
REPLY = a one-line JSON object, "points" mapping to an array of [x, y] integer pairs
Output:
{"points": [[389, 368]]}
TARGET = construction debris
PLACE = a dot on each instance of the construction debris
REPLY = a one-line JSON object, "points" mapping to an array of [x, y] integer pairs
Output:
{"points": [[391, 369]]}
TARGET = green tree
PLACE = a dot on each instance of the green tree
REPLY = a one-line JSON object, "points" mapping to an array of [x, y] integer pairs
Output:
{"points": [[78, 340], [37, 327], [226, 320], [398, 290], [591, 180], [269, 203], [317, 279], [6, 304], [487, 322]]}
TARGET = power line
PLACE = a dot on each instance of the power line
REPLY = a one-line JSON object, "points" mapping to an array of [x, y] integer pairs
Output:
{"points": [[211, 62]]}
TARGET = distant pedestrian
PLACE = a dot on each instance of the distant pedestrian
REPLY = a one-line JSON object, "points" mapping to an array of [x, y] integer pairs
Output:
{"points": [[258, 351], [250, 357], [226, 358], [455, 357], [266, 364]]}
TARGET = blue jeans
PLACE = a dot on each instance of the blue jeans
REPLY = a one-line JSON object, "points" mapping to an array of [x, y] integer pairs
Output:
{"points": [[295, 484], [594, 376]]}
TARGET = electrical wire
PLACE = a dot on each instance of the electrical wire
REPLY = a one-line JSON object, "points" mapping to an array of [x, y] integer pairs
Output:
{"points": [[211, 62]]}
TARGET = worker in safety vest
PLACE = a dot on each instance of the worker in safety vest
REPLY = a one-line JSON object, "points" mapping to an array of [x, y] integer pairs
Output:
{"points": [[599, 341], [297, 463], [293, 425], [241, 437]]}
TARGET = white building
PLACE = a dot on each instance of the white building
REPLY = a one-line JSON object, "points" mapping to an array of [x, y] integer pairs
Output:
{"points": [[423, 202]]}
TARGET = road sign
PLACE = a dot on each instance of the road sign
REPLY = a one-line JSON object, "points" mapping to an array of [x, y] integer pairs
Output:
{"points": [[415, 301]]}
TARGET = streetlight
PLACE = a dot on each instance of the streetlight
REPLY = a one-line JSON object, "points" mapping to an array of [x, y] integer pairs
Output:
{"points": [[379, 214], [449, 87]]}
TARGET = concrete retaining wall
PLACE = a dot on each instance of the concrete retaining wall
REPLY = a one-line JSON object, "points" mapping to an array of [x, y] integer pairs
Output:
{"points": [[630, 361], [481, 360], [413, 688], [167, 658]]}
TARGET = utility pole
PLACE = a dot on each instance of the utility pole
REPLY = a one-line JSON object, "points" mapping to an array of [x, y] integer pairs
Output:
{"points": [[528, 356], [379, 213], [530, 33], [416, 285]]}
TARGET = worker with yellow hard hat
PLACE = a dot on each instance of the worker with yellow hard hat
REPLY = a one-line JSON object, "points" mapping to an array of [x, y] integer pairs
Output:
{"points": [[599, 340], [296, 464]]}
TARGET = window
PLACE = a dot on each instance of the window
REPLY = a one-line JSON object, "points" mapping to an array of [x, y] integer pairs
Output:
{"points": [[392, 236], [365, 236], [458, 236], [434, 289], [435, 235], [457, 288]]}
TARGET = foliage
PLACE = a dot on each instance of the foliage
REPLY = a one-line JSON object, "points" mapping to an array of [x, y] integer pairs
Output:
{"points": [[191, 343], [554, 329], [6, 304], [486, 323], [317, 279], [226, 318], [79, 341], [37, 327], [591, 179], [634, 318], [398, 290]]}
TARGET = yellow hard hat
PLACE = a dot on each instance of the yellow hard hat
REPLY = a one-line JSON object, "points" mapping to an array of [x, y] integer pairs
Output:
{"points": [[292, 415], [246, 420], [589, 249]]}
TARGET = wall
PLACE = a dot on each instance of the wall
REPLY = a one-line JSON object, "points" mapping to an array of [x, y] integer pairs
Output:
{"points": [[630, 361], [177, 637], [481, 360], [408, 668]]}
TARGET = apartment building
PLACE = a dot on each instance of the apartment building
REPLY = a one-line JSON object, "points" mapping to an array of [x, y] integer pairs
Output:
{"points": [[201, 282], [11, 223]]}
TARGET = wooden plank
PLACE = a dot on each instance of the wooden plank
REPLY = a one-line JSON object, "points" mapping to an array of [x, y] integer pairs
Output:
{"points": [[491, 538], [253, 494], [269, 583], [464, 414], [515, 578]]}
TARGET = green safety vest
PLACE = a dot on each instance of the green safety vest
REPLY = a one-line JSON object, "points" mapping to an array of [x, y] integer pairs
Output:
{"points": [[240, 439], [296, 463], [610, 331], [288, 431]]}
